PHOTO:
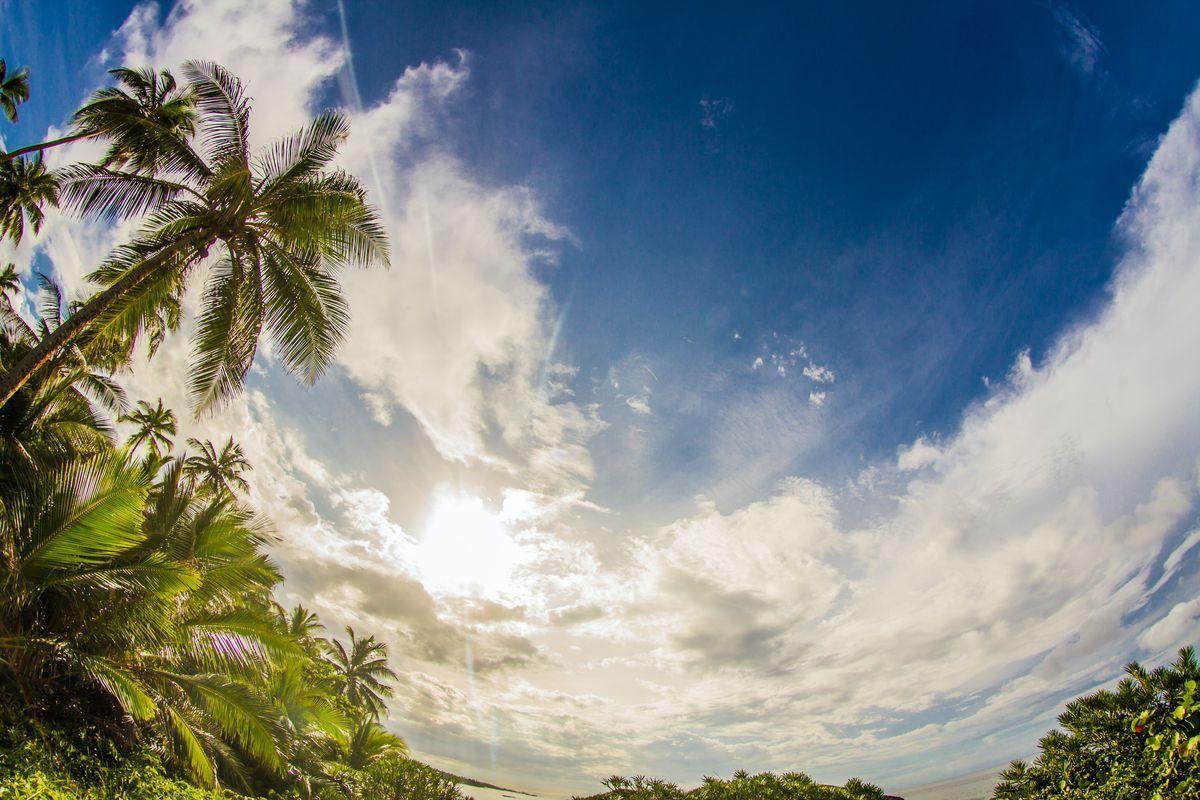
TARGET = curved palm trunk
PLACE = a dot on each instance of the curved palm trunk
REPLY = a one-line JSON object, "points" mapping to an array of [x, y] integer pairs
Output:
{"points": [[37, 148], [72, 326]]}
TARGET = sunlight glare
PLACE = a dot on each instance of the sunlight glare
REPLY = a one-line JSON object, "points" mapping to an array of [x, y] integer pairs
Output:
{"points": [[465, 548]]}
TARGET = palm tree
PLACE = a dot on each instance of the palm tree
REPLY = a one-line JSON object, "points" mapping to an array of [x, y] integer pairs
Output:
{"points": [[364, 672], [145, 116], [303, 624], [220, 471], [113, 587], [315, 726], [25, 186], [280, 222], [63, 413], [369, 741], [155, 427], [14, 90]]}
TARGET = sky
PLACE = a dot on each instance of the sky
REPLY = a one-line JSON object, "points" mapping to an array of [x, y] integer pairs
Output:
{"points": [[805, 386]]}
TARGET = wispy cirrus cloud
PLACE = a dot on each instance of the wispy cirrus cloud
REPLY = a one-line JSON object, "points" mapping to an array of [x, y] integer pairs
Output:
{"points": [[1080, 44]]}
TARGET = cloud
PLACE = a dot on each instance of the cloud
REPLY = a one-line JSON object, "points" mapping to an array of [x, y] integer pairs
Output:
{"points": [[1179, 625], [1037, 549], [818, 373], [1080, 44], [920, 453], [999, 570], [713, 110], [640, 403]]}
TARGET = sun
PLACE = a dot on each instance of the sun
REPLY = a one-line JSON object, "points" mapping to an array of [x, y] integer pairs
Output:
{"points": [[465, 548]]}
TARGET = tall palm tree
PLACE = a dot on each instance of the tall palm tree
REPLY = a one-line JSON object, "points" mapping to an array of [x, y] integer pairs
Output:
{"points": [[364, 671], [25, 187], [219, 470], [315, 727], [281, 225], [14, 89], [146, 117], [155, 427]]}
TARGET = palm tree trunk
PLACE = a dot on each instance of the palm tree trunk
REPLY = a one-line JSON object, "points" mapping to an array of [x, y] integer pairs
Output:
{"points": [[72, 326], [37, 148]]}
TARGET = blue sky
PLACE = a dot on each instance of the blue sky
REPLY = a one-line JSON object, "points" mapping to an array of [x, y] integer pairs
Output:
{"points": [[710, 327]]}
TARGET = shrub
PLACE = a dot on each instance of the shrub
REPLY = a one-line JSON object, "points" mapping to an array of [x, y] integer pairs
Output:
{"points": [[81, 768], [395, 776], [742, 786]]}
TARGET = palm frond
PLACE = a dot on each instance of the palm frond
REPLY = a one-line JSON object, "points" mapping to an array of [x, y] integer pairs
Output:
{"points": [[224, 112], [91, 513], [94, 190], [226, 335]]}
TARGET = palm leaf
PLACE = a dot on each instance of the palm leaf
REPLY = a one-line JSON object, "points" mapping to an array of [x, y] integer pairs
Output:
{"points": [[93, 513], [224, 109]]}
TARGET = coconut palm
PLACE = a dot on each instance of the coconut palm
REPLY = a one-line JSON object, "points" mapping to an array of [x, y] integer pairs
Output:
{"points": [[364, 671], [25, 187], [146, 118], [154, 427], [14, 89], [280, 224], [219, 470]]}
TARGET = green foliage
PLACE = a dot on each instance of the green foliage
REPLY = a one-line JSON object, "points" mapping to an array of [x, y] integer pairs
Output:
{"points": [[136, 607], [279, 224], [54, 765], [394, 776], [364, 670], [1140, 741], [14, 89], [742, 786], [25, 187]]}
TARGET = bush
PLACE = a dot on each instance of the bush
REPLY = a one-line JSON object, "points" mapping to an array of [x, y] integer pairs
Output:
{"points": [[395, 776], [742, 786], [1138, 742], [77, 771]]}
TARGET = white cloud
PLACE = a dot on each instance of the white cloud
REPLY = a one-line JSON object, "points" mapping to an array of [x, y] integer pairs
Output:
{"points": [[640, 403], [1178, 628], [917, 455], [713, 110], [818, 373]]}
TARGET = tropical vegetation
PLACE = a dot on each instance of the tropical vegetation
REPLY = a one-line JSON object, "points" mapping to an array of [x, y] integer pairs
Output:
{"points": [[1139, 740], [274, 226], [742, 786], [136, 590], [136, 594]]}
